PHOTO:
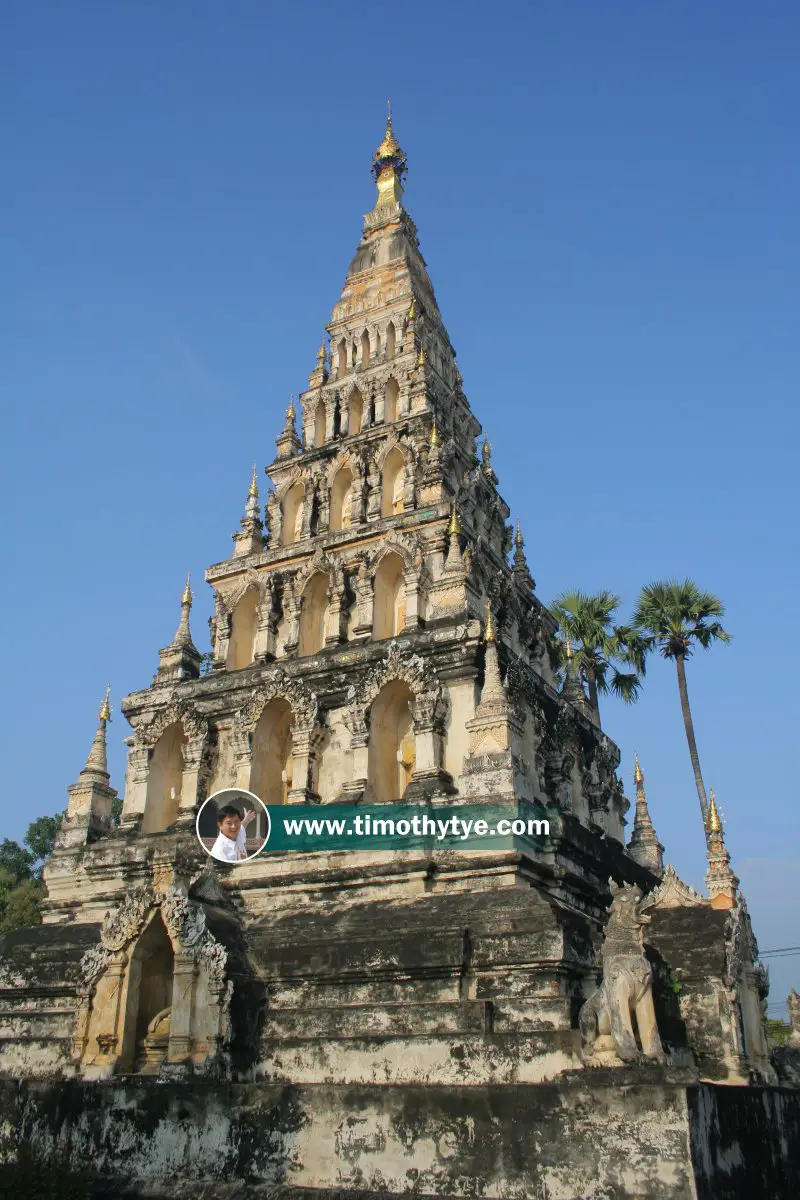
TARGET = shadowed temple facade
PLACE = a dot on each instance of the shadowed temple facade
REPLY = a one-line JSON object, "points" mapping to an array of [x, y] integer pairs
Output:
{"points": [[455, 1022]]}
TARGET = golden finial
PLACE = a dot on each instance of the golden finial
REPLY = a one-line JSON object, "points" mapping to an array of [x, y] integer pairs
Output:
{"points": [[486, 452], [105, 709], [435, 433], [412, 312], [254, 483], [518, 542], [489, 634], [714, 822], [638, 774], [421, 357], [290, 410], [567, 645], [454, 528], [186, 598], [389, 147], [321, 353]]}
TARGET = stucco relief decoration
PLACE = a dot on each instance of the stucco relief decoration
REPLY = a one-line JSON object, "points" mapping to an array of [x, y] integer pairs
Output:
{"points": [[398, 664], [185, 921], [194, 723], [672, 892], [301, 700]]}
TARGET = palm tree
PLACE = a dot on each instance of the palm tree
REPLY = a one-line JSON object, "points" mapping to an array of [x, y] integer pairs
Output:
{"points": [[599, 646], [674, 618]]}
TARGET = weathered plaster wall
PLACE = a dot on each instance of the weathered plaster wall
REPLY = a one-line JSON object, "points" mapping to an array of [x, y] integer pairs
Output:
{"points": [[596, 1134]]}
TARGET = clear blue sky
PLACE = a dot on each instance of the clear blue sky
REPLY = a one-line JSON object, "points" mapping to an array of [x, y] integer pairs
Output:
{"points": [[607, 196]]}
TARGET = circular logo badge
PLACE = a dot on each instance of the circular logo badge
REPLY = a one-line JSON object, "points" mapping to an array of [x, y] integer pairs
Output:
{"points": [[233, 825]]}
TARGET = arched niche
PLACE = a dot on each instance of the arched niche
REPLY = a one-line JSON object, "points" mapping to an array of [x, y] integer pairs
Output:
{"points": [[391, 401], [341, 493], [365, 349], [341, 359], [292, 507], [356, 412], [244, 625], [391, 340], [392, 487], [271, 769], [313, 610], [148, 1002], [392, 753], [389, 611], [164, 778], [319, 424]]}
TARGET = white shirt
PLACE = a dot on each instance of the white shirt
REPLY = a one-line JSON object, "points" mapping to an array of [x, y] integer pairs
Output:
{"points": [[228, 850]]}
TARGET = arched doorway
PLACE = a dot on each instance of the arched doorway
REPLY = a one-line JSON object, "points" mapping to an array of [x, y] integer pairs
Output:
{"points": [[244, 624], [164, 779], [292, 515], [313, 609], [393, 479], [149, 1000], [341, 493], [390, 597], [271, 769], [392, 751]]}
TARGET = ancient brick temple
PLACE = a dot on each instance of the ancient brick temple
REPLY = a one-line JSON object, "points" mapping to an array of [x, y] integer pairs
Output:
{"points": [[425, 1022]]}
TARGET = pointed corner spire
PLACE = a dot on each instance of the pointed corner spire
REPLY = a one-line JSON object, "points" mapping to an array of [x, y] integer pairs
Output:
{"points": [[253, 493], [521, 569], [435, 434], [486, 461], [644, 846], [722, 884], [454, 528], [97, 758], [183, 635], [489, 633], [389, 166]]}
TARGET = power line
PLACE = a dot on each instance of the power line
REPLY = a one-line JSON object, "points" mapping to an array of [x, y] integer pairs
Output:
{"points": [[780, 950]]}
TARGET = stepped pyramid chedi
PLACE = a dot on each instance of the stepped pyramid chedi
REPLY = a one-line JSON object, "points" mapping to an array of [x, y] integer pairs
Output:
{"points": [[353, 1017]]}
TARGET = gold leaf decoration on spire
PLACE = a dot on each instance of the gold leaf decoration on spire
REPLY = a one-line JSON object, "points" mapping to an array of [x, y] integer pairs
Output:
{"points": [[187, 597], [518, 542], [489, 634], [714, 822], [254, 483], [638, 774], [105, 708], [435, 434], [454, 528], [389, 147], [567, 645]]}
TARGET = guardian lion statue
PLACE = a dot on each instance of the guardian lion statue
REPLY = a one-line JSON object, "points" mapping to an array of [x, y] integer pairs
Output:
{"points": [[606, 1018]]}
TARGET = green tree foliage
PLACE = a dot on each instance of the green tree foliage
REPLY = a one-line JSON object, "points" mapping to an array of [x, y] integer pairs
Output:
{"points": [[601, 648], [21, 890], [675, 618], [778, 1032], [41, 836], [16, 860]]}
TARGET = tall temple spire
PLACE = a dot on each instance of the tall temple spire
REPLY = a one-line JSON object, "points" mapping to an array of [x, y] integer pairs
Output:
{"points": [[389, 166], [721, 882], [521, 569], [644, 846], [573, 689]]}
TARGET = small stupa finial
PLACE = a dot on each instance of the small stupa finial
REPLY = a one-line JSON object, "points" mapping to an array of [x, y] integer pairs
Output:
{"points": [[105, 707], [644, 846], [254, 483], [489, 633], [435, 434], [567, 646], [721, 882], [518, 540], [454, 528], [187, 596], [389, 166], [714, 822]]}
